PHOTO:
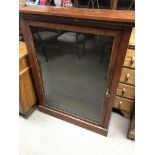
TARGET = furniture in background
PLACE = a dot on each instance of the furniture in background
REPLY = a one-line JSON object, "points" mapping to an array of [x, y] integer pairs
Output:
{"points": [[93, 2], [27, 94], [131, 5], [102, 4], [106, 4], [131, 131], [42, 38], [90, 3], [122, 4], [114, 24], [73, 39], [125, 95], [113, 4]]}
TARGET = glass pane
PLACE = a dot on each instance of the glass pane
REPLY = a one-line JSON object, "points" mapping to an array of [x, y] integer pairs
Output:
{"points": [[73, 67]]}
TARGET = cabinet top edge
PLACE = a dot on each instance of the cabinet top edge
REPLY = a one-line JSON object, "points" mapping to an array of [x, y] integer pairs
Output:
{"points": [[83, 13]]}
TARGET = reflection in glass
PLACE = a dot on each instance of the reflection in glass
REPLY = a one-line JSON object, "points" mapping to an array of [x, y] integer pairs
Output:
{"points": [[73, 67]]}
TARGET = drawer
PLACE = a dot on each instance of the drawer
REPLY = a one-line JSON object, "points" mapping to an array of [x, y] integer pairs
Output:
{"points": [[27, 92], [128, 76], [127, 91], [130, 58], [22, 49], [123, 104], [23, 63]]}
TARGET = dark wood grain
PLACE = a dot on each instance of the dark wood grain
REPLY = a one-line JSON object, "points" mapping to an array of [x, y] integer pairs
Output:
{"points": [[117, 72], [33, 59]]}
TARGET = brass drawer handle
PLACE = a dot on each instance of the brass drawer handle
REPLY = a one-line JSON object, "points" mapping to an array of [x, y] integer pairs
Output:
{"points": [[132, 60], [123, 91], [127, 77], [120, 104]]}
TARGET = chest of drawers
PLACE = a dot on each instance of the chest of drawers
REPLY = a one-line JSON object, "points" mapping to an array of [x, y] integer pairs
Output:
{"points": [[27, 94], [125, 95]]}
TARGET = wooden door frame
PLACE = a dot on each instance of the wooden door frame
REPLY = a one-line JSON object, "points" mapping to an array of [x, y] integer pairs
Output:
{"points": [[120, 43]]}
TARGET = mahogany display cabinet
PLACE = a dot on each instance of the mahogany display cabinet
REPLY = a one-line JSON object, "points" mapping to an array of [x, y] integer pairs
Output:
{"points": [[76, 56]]}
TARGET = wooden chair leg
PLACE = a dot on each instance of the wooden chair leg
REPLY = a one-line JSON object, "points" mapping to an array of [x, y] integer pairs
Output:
{"points": [[131, 4], [44, 52], [96, 1], [98, 4], [92, 3]]}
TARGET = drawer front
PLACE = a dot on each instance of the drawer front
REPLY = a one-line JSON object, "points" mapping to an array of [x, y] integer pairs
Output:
{"points": [[22, 49], [128, 76], [23, 63], [26, 91], [123, 104], [127, 91], [130, 58]]}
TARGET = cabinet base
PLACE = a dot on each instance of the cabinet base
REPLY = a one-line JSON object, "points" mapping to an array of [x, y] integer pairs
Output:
{"points": [[131, 131], [74, 120], [131, 135]]}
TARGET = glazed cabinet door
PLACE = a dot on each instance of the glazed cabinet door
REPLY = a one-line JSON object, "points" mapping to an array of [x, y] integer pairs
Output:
{"points": [[76, 68]]}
